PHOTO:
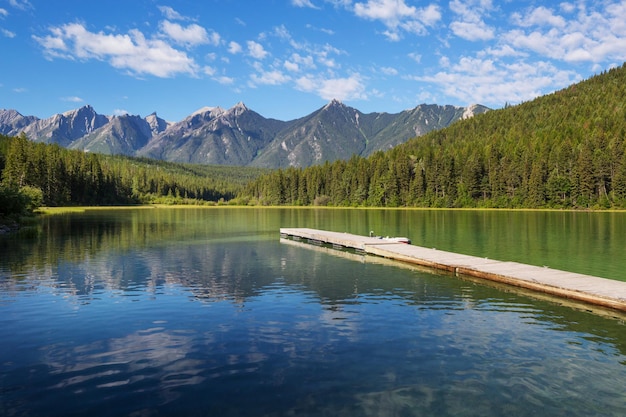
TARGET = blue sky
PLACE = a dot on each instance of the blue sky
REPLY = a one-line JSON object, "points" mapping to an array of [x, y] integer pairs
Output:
{"points": [[287, 58]]}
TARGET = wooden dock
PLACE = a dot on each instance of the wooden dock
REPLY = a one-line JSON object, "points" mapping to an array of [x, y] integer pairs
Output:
{"points": [[588, 289]]}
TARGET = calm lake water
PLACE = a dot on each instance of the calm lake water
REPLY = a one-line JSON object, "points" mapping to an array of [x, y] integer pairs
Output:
{"points": [[204, 312]]}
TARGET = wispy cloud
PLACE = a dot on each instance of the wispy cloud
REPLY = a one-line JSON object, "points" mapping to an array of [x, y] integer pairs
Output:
{"points": [[21, 4], [399, 17], [389, 71], [7, 33], [304, 3], [224, 80], [72, 99], [343, 88], [190, 35], [273, 77], [170, 13]]}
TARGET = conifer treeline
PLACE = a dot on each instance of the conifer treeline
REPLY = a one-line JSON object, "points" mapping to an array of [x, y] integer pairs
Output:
{"points": [[70, 177], [564, 150]]}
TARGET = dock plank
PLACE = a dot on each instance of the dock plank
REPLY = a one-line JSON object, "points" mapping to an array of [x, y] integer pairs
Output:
{"points": [[586, 288]]}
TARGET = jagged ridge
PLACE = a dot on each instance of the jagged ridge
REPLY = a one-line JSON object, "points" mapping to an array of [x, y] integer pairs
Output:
{"points": [[237, 136]]}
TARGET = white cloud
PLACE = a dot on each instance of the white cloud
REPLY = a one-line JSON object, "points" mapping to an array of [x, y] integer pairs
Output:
{"points": [[234, 47], [502, 51], [415, 57], [348, 88], [567, 7], [3, 12], [170, 13], [470, 24], [303, 3], [492, 82], [131, 52], [430, 15], [120, 112], [273, 77], [72, 99], [7, 33], [291, 66], [389, 71], [256, 50], [594, 35], [190, 35], [472, 31], [389, 11], [539, 17], [21, 4], [297, 62], [224, 80], [397, 16], [214, 38], [323, 30]]}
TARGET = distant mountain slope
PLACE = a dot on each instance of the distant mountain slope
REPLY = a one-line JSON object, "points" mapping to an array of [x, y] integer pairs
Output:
{"points": [[12, 122], [121, 135], [237, 136], [337, 131], [325, 135], [214, 136], [562, 150], [67, 127], [417, 122]]}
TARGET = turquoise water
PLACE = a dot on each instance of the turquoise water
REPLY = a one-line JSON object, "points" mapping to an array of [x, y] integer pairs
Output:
{"points": [[204, 312]]}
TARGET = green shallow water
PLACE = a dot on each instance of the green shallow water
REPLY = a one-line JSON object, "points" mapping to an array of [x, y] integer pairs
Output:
{"points": [[204, 312]]}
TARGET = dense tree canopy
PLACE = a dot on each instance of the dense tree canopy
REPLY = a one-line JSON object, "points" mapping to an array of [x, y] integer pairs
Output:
{"points": [[564, 150], [69, 177]]}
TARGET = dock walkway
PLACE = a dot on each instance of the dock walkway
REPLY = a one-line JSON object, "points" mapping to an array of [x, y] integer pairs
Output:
{"points": [[584, 288]]}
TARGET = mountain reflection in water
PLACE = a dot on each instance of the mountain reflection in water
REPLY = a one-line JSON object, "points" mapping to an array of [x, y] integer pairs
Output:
{"points": [[201, 312]]}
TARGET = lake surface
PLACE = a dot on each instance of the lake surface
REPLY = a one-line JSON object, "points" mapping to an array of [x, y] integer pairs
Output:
{"points": [[195, 312]]}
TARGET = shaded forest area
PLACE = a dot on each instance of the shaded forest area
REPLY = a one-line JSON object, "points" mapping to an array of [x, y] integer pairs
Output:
{"points": [[69, 177], [563, 150]]}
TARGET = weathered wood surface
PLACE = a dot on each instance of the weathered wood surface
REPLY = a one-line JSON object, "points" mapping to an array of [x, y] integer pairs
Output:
{"points": [[586, 288]]}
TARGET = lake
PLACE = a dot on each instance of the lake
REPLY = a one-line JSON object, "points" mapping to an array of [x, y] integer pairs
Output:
{"points": [[203, 311]]}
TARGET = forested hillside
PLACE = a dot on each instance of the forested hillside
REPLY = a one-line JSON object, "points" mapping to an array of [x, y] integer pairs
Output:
{"points": [[71, 177], [564, 150]]}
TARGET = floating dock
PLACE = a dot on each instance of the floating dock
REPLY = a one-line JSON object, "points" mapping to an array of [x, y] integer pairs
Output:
{"points": [[588, 289]]}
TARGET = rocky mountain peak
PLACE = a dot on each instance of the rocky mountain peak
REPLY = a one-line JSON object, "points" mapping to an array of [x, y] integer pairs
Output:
{"points": [[334, 103], [237, 136], [7, 116], [157, 125], [240, 107], [472, 110], [208, 111]]}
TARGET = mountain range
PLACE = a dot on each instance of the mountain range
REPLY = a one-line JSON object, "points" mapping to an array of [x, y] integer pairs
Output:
{"points": [[237, 136]]}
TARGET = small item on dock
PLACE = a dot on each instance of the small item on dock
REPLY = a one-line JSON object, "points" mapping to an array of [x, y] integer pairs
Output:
{"points": [[392, 239], [587, 289]]}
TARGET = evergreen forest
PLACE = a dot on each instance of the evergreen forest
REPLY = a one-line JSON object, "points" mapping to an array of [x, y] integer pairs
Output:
{"points": [[563, 150], [36, 174]]}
